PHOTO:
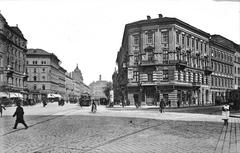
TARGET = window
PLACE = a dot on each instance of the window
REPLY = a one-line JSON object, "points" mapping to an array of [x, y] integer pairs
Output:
{"points": [[184, 76], [149, 38], [164, 37], [165, 56], [135, 40], [43, 78], [136, 76], [202, 78], [188, 41], [194, 77], [201, 47], [177, 37], [192, 43], [43, 87], [27, 62], [150, 76], [34, 70], [183, 41], [189, 76], [43, 70], [179, 75], [150, 56], [197, 45], [165, 75], [35, 87], [212, 81], [34, 78]]}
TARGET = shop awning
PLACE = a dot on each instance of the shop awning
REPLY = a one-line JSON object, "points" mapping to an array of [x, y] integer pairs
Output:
{"points": [[50, 96], [15, 95], [3, 94], [54, 96], [57, 95]]}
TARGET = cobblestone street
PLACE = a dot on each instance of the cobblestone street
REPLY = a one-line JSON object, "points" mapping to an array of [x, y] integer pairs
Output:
{"points": [[70, 128]]}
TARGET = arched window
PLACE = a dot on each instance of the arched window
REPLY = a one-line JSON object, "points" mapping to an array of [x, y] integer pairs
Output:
{"points": [[35, 87], [43, 87], [34, 78], [43, 78], [34, 70], [43, 70]]}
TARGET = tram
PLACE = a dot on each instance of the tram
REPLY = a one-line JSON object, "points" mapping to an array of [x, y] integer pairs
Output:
{"points": [[233, 98], [85, 99]]}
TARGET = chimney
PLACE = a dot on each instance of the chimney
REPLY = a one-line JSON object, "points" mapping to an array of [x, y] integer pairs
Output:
{"points": [[160, 16], [148, 17], [100, 77]]}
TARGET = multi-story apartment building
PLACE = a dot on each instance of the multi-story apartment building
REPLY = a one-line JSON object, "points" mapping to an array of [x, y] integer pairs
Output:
{"points": [[69, 87], [165, 58], [13, 48], [61, 83], [225, 70], [44, 72], [236, 66]]}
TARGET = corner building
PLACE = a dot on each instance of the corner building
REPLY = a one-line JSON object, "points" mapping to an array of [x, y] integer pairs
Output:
{"points": [[165, 58]]}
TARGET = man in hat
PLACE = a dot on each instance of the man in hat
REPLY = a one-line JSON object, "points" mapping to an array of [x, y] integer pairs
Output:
{"points": [[19, 113]]}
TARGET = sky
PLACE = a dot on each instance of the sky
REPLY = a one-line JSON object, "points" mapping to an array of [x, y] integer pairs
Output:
{"points": [[89, 32]]}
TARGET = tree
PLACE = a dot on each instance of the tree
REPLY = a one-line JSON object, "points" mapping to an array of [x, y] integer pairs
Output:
{"points": [[107, 90]]}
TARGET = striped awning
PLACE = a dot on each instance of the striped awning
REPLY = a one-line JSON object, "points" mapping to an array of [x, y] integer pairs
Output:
{"points": [[3, 94]]}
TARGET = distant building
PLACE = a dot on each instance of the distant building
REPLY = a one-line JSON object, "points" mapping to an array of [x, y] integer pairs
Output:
{"points": [[77, 79], [225, 69], [97, 88], [46, 76], [13, 48]]}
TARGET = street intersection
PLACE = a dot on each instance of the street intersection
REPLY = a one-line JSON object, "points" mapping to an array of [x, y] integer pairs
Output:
{"points": [[70, 128]]}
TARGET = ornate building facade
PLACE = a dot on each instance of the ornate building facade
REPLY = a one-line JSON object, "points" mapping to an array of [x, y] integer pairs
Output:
{"points": [[13, 48], [165, 58]]}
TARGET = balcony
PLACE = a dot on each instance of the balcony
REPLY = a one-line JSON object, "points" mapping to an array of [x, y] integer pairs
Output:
{"points": [[25, 76], [196, 85], [180, 64], [208, 70], [9, 71], [148, 63]]}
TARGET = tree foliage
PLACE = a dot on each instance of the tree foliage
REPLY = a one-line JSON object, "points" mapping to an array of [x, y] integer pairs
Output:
{"points": [[107, 89]]}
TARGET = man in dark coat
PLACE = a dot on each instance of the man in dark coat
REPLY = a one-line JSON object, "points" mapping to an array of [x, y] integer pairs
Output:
{"points": [[162, 105], [19, 113]]}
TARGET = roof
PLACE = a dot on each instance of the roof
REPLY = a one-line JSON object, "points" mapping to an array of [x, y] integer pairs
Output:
{"points": [[38, 51], [17, 30]]}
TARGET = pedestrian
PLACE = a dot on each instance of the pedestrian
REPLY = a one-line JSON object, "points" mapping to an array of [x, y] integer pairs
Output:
{"points": [[19, 113], [169, 102], [178, 103], [94, 107], [162, 105], [1, 109], [44, 102], [225, 113]]}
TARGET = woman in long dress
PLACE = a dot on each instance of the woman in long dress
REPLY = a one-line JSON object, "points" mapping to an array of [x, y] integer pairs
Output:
{"points": [[225, 113]]}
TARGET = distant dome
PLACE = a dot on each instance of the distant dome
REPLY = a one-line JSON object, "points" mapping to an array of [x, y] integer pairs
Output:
{"points": [[78, 71]]}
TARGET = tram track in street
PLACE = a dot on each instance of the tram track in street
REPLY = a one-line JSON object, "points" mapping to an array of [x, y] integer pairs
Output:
{"points": [[54, 117], [39, 150]]}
